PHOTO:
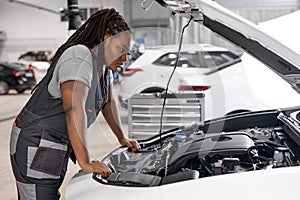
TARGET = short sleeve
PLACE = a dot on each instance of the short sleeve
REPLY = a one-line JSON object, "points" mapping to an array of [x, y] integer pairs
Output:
{"points": [[76, 63], [75, 69]]}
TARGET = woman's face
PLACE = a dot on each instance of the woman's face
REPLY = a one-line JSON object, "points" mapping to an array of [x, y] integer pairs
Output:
{"points": [[115, 50]]}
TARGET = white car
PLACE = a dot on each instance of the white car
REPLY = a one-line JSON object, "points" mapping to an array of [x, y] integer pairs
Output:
{"points": [[40, 68], [241, 156], [37, 61], [231, 84], [153, 68]]}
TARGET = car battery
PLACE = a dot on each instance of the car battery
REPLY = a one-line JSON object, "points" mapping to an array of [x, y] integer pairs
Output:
{"points": [[181, 109]]}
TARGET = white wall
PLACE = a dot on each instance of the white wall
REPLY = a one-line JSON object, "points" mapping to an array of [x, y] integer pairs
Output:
{"points": [[29, 28], [261, 4]]}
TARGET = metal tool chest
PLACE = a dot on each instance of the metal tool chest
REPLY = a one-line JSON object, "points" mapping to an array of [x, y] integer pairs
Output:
{"points": [[144, 112]]}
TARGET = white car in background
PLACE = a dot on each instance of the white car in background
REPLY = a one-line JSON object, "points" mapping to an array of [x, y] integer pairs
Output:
{"points": [[231, 83], [37, 61], [253, 155], [153, 68], [40, 68]]}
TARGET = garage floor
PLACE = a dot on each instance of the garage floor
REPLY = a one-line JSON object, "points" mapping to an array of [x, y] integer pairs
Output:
{"points": [[100, 141]]}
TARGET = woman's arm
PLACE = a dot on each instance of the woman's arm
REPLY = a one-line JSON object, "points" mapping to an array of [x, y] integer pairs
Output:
{"points": [[112, 117], [74, 95]]}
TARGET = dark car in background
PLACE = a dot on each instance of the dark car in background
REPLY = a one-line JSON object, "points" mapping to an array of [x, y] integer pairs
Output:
{"points": [[35, 55], [15, 76]]}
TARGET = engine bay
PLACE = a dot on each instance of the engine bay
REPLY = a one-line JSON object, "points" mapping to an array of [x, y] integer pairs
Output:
{"points": [[189, 153]]}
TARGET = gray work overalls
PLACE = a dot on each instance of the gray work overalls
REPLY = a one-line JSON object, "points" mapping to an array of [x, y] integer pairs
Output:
{"points": [[39, 144]]}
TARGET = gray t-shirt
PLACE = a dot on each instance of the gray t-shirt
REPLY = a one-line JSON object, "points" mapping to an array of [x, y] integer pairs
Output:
{"points": [[76, 63]]}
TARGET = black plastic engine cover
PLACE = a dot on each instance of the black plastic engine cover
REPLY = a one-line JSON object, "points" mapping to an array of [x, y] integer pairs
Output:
{"points": [[235, 142]]}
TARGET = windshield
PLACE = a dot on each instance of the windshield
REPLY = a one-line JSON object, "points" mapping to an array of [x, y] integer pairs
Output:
{"points": [[15, 66], [198, 59]]}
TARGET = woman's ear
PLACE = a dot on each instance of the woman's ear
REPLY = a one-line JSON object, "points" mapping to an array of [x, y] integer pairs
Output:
{"points": [[106, 36]]}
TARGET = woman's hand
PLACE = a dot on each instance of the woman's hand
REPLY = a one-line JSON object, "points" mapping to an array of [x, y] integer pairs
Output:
{"points": [[97, 167], [130, 143]]}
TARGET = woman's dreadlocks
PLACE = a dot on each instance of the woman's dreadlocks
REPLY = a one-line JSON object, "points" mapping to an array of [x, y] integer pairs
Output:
{"points": [[92, 32]]}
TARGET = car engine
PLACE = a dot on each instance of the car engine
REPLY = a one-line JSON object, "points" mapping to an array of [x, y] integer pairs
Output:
{"points": [[185, 154]]}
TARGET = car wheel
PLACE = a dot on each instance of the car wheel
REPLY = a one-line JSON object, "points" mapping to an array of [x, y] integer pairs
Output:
{"points": [[3, 87], [20, 91]]}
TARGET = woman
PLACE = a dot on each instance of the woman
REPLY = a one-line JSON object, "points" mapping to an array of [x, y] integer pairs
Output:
{"points": [[53, 124]]}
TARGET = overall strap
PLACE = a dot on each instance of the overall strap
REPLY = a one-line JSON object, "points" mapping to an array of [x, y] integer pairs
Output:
{"points": [[40, 97]]}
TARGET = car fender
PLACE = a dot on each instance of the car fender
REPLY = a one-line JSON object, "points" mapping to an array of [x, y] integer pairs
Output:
{"points": [[233, 186]]}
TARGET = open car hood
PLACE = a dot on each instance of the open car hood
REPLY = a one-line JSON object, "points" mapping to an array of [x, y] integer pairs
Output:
{"points": [[282, 60]]}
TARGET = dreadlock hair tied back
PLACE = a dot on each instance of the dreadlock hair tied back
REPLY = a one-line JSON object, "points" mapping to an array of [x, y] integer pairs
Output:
{"points": [[92, 32]]}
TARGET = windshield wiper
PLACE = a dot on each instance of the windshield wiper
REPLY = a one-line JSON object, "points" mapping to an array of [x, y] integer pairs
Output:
{"points": [[223, 66]]}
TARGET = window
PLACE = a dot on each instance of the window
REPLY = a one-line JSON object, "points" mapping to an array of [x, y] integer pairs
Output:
{"points": [[169, 59], [34, 56], [197, 59], [213, 59]]}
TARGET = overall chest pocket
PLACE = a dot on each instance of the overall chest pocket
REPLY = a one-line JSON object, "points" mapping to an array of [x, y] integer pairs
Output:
{"points": [[50, 156], [100, 99]]}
